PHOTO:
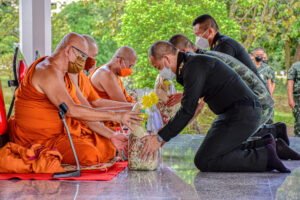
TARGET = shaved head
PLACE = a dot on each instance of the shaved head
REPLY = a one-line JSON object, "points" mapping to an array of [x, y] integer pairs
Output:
{"points": [[73, 39], [161, 48], [92, 44], [181, 42], [125, 52]]}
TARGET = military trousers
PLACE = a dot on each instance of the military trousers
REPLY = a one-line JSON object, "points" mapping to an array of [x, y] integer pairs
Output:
{"points": [[221, 150], [296, 113]]}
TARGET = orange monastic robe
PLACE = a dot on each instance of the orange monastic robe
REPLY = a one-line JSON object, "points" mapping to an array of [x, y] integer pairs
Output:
{"points": [[36, 121], [112, 125], [86, 88]]}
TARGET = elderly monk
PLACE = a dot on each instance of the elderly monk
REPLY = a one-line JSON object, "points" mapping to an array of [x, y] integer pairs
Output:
{"points": [[107, 82], [45, 86]]}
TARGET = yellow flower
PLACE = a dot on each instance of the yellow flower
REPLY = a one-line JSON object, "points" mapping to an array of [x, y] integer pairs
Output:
{"points": [[154, 98], [147, 102]]}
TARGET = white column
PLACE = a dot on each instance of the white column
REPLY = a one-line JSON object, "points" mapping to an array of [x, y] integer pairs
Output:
{"points": [[35, 28]]}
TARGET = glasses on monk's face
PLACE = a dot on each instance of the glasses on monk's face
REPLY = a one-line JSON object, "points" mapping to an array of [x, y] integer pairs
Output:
{"points": [[130, 66], [83, 55]]}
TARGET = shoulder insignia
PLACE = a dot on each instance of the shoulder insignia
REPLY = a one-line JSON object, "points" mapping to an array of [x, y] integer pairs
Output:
{"points": [[180, 67]]}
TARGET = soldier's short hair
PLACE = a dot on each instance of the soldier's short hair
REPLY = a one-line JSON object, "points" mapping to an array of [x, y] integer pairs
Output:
{"points": [[258, 49], [160, 48], [206, 21], [180, 41]]}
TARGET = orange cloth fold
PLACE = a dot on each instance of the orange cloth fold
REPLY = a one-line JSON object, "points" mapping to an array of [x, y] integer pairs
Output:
{"points": [[110, 124], [18, 159], [36, 121]]}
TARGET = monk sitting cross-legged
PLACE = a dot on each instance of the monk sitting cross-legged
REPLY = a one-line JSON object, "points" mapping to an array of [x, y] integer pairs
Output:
{"points": [[47, 85], [87, 95], [106, 79]]}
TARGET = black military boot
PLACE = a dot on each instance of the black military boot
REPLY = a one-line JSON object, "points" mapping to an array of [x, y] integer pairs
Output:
{"points": [[281, 132], [285, 152]]}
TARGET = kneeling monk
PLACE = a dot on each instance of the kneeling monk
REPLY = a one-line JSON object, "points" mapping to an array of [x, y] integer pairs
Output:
{"points": [[47, 85]]}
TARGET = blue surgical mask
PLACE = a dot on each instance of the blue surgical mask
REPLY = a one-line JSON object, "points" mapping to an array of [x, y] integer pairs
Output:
{"points": [[167, 73]]}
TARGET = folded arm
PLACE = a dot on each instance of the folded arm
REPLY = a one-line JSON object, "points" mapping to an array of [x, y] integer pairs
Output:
{"points": [[106, 104]]}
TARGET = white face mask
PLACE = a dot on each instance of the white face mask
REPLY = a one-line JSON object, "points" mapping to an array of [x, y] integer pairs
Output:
{"points": [[201, 42], [167, 73]]}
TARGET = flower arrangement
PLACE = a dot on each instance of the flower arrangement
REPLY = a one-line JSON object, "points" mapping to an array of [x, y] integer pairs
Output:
{"points": [[135, 147], [149, 100], [151, 115]]}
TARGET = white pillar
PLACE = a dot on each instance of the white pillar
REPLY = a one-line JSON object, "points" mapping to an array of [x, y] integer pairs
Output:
{"points": [[35, 28]]}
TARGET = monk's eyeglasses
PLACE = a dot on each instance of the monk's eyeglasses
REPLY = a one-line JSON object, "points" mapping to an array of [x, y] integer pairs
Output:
{"points": [[84, 55], [130, 66]]}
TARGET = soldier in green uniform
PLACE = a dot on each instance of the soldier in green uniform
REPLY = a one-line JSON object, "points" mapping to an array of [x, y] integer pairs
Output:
{"points": [[266, 73], [293, 88], [264, 70], [273, 79]]}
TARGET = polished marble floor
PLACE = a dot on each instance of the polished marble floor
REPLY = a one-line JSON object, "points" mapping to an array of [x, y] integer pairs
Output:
{"points": [[177, 178]]}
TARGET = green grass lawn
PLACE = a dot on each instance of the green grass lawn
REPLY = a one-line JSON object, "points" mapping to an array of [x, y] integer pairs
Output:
{"points": [[283, 112]]}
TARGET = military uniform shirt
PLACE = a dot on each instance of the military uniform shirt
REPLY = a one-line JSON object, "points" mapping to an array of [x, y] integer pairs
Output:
{"points": [[231, 47], [294, 74], [256, 85], [266, 72], [208, 77], [273, 79]]}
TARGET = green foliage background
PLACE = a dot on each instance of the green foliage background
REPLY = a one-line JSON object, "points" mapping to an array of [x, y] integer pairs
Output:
{"points": [[145, 22], [9, 34], [272, 24], [82, 18]]}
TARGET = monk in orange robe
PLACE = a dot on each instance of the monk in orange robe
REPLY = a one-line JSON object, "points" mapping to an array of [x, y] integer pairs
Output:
{"points": [[47, 85], [106, 79]]}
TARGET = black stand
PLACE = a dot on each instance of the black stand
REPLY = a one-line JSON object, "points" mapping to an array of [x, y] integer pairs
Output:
{"points": [[63, 108]]}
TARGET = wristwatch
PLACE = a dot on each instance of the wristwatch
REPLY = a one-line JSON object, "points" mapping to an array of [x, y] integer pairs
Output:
{"points": [[160, 138]]}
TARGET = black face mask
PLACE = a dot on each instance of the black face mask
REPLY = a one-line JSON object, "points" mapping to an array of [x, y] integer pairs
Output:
{"points": [[265, 61], [258, 58]]}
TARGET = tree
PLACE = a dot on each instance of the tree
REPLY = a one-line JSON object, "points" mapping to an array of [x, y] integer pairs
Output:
{"points": [[146, 21], [272, 24], [111, 12], [81, 17], [9, 33]]}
